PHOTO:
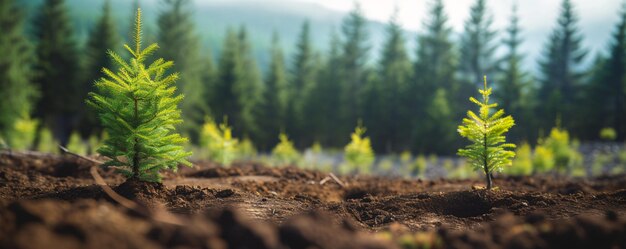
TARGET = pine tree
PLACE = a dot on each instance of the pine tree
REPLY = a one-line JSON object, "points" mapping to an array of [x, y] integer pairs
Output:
{"points": [[209, 79], [607, 92], [248, 88], [217, 140], [390, 98], [436, 56], [23, 134], [177, 35], [437, 122], [489, 150], [238, 89], [325, 98], [358, 154], [15, 68], [57, 68], [513, 85], [103, 37], [434, 69], [285, 153], [353, 78], [224, 102], [477, 44], [138, 110], [304, 72], [275, 95], [47, 144], [560, 70]]}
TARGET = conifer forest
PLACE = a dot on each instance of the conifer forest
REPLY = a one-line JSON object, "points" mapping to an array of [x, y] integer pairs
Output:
{"points": [[312, 124]]}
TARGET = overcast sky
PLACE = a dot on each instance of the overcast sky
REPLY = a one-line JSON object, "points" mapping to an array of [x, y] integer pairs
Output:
{"points": [[542, 12], [538, 17]]}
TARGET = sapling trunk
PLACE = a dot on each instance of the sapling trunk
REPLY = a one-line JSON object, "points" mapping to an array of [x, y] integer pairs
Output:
{"points": [[485, 165], [136, 147]]}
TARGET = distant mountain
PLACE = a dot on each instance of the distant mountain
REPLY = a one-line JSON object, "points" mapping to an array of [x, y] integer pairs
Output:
{"points": [[213, 18]]}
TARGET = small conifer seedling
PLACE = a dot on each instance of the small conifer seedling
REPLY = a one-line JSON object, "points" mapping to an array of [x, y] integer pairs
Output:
{"points": [[489, 150], [219, 141], [285, 152], [359, 154], [138, 109]]}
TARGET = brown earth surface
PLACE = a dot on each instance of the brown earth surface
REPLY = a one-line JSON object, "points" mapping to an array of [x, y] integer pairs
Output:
{"points": [[49, 201]]}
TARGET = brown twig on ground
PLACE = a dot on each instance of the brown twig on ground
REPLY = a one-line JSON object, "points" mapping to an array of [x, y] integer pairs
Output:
{"points": [[332, 176], [326, 179], [66, 151], [157, 215]]}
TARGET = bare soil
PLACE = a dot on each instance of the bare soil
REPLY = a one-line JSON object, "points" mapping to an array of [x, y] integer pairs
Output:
{"points": [[49, 201]]}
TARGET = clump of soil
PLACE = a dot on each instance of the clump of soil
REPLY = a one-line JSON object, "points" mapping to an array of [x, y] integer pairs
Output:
{"points": [[474, 203], [146, 193]]}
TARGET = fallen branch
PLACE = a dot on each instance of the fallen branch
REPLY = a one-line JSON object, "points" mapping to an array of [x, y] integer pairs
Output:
{"points": [[66, 151], [337, 180], [326, 179], [332, 176]]}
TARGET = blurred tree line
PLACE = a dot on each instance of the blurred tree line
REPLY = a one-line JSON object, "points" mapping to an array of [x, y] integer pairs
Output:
{"points": [[409, 100]]}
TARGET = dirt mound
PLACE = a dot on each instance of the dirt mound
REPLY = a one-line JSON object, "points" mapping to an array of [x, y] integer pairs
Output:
{"points": [[322, 230], [461, 204], [98, 224], [208, 170], [146, 193], [58, 224], [537, 231], [51, 164]]}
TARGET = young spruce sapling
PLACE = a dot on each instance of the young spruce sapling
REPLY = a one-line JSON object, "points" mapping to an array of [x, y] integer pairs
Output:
{"points": [[489, 150], [138, 109]]}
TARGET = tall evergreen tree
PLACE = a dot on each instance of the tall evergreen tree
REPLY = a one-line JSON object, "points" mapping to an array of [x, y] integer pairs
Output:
{"points": [[434, 69], [275, 97], [238, 88], [209, 80], [513, 84], [304, 72], [325, 97], [436, 57], [248, 89], [16, 61], [390, 97], [354, 56], [223, 101], [561, 75], [177, 34], [438, 121], [477, 45], [103, 37], [607, 91], [57, 68]]}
